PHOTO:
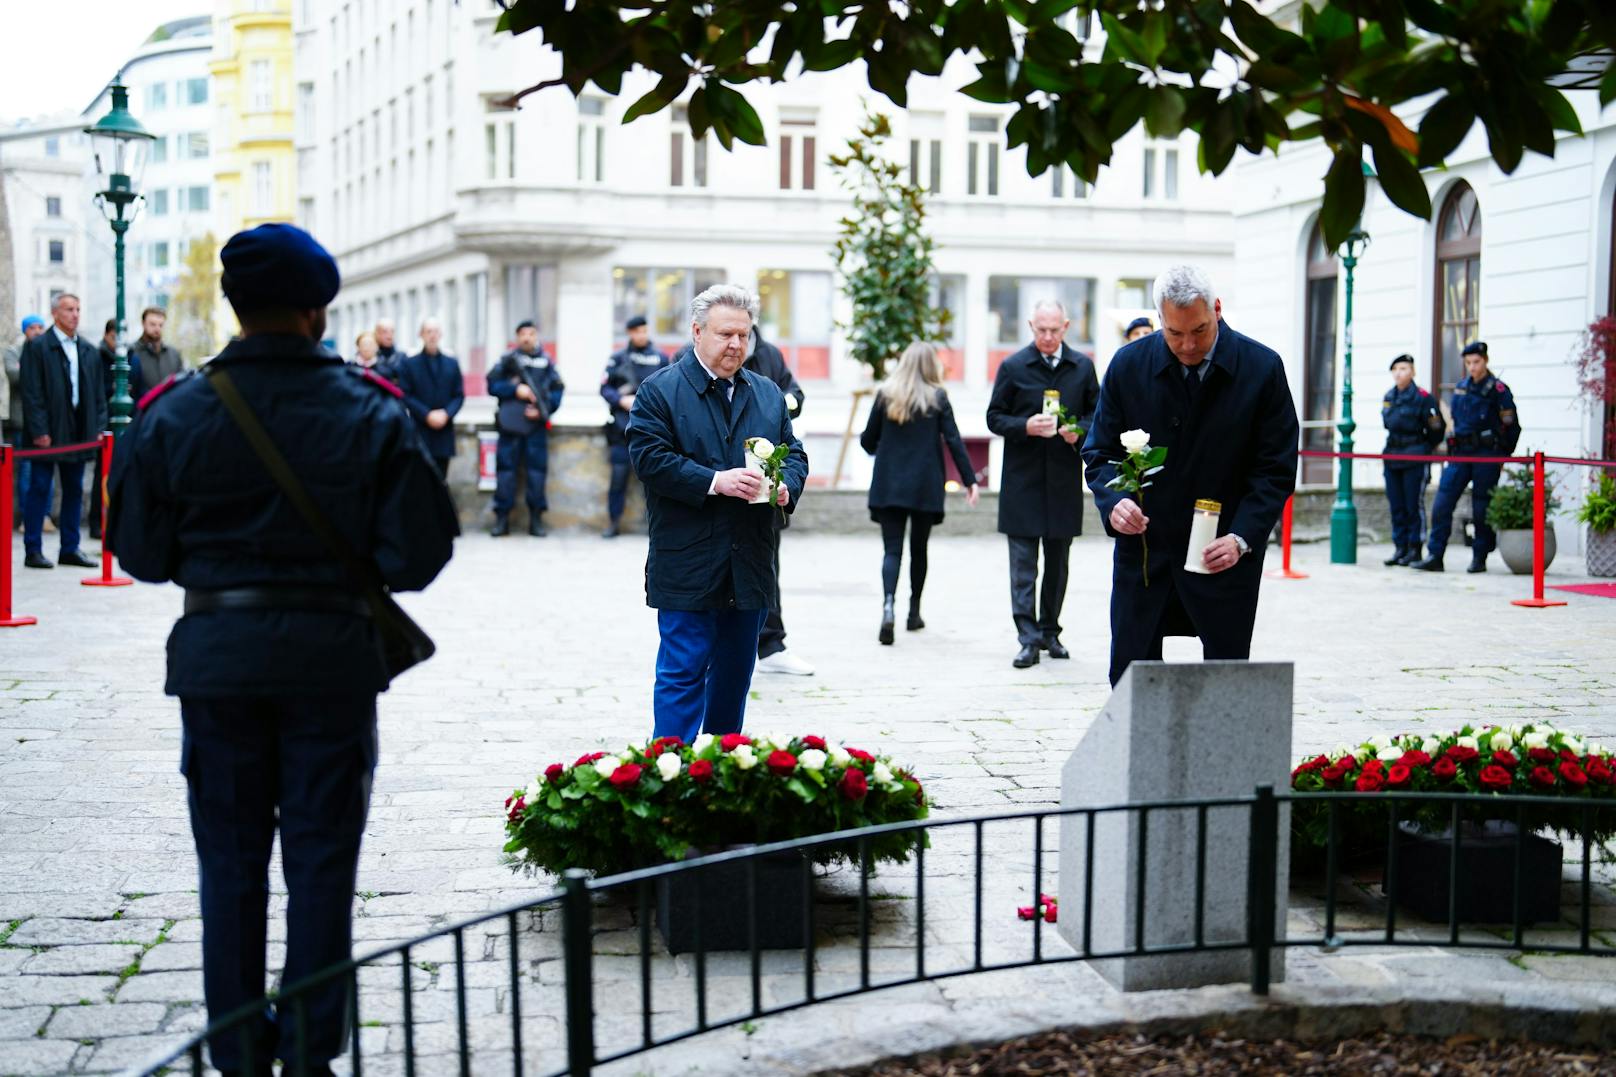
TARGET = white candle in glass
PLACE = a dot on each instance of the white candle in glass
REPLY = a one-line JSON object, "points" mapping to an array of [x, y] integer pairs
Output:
{"points": [[1203, 531]]}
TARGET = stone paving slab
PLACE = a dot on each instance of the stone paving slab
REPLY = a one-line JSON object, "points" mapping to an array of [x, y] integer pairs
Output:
{"points": [[545, 651]]}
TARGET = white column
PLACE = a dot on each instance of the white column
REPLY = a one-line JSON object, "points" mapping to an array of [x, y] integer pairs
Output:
{"points": [[583, 316]]}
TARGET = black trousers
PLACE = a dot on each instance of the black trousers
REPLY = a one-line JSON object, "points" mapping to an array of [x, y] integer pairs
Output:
{"points": [[772, 640], [893, 522], [303, 766], [1038, 622], [1136, 639]]}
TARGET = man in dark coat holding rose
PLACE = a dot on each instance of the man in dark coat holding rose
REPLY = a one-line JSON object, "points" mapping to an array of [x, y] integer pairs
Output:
{"points": [[1220, 404], [1041, 499]]}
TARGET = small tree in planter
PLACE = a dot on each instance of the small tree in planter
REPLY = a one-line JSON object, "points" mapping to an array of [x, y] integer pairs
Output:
{"points": [[1596, 377], [1511, 515], [1598, 511]]}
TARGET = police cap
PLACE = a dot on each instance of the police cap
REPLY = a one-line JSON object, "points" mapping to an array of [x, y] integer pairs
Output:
{"points": [[525, 323], [1476, 347], [634, 322], [1404, 358], [1138, 323], [277, 265]]}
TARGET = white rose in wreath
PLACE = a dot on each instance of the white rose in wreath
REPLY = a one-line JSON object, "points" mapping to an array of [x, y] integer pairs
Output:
{"points": [[882, 774], [1135, 440], [667, 765], [839, 756], [1502, 741], [606, 764], [1469, 742], [744, 757], [702, 742], [812, 759]]}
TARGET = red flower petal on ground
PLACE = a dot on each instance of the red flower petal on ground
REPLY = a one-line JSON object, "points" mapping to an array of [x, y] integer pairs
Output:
{"points": [[731, 741], [1049, 914], [1370, 781], [1398, 775], [1541, 755], [1572, 774], [853, 785], [811, 741], [1024, 912], [1444, 769], [1496, 777], [781, 763], [1415, 758], [861, 755], [1460, 754], [1048, 899], [553, 772], [626, 775], [1506, 759], [585, 760], [701, 770]]}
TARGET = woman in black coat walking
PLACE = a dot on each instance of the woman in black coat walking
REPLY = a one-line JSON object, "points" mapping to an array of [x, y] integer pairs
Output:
{"points": [[909, 421]]}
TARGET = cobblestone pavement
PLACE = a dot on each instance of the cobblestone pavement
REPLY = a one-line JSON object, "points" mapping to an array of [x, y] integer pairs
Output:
{"points": [[545, 651]]}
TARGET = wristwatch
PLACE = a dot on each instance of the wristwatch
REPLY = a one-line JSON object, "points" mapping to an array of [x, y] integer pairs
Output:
{"points": [[1245, 547]]}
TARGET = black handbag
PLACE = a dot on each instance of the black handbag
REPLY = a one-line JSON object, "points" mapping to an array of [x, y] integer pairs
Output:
{"points": [[404, 643]]}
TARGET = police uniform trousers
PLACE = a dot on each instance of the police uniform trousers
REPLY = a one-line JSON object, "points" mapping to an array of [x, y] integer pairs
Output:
{"points": [[302, 765], [1456, 475], [704, 671], [622, 471], [1405, 494], [532, 451], [1038, 619]]}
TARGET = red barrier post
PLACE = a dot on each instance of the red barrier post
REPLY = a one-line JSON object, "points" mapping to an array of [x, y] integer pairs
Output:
{"points": [[107, 578], [1537, 601], [6, 524], [1285, 572]]}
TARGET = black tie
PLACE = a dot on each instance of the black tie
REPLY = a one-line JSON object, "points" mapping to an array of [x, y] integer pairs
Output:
{"points": [[1192, 381], [724, 387]]}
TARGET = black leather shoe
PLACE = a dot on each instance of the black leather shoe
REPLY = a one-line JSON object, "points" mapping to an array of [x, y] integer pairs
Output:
{"points": [[914, 623], [536, 528], [1056, 648], [1027, 656], [1410, 557], [77, 559], [34, 559], [887, 619], [1397, 557], [1430, 564], [1477, 564], [501, 528], [95, 534], [612, 530]]}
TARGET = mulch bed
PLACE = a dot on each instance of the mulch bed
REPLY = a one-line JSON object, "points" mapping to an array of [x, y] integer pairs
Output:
{"points": [[1216, 1053]]}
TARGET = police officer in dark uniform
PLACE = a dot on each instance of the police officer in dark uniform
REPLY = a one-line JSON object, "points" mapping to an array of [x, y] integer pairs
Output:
{"points": [[528, 388], [277, 661], [1414, 426], [1484, 424], [625, 370]]}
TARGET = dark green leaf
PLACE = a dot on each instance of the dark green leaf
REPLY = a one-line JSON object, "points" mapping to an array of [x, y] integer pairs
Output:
{"points": [[1343, 195], [1164, 112], [1401, 180], [658, 99], [1443, 128]]}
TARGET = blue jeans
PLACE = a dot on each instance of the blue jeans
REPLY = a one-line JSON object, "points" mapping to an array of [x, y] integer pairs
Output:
{"points": [[20, 472], [703, 671], [1481, 478], [38, 504], [533, 451], [303, 766], [1405, 493]]}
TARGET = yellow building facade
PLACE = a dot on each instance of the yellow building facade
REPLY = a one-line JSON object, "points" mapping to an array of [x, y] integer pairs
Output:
{"points": [[255, 162]]}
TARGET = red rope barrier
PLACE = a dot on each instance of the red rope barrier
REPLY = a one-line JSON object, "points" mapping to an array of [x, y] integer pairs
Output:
{"points": [[58, 450], [107, 578], [7, 619]]}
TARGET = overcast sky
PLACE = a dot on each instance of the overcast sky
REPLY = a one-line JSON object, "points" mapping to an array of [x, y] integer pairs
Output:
{"points": [[59, 53]]}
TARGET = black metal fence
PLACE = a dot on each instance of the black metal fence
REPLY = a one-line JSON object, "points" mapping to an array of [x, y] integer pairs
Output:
{"points": [[590, 910]]}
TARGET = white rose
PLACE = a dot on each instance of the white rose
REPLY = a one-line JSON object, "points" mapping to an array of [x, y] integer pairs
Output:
{"points": [[1340, 750], [760, 447], [839, 756], [1432, 746], [703, 741], [1576, 744], [812, 759], [1135, 440], [1362, 752], [667, 765], [1469, 742], [744, 757], [532, 791], [1535, 740], [606, 764], [775, 742], [1379, 742], [1515, 731], [1389, 754], [1501, 741], [882, 773], [1544, 727]]}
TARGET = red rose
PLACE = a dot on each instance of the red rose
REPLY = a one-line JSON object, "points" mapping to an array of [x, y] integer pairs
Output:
{"points": [[653, 749], [553, 772], [518, 808], [1415, 758], [1541, 755], [1374, 766], [1370, 781], [701, 770], [731, 741], [1049, 914], [1444, 769], [626, 775], [1496, 778], [585, 760], [663, 744], [861, 756], [1460, 754], [1542, 777], [1600, 772], [1399, 775], [1336, 771], [1024, 912], [811, 741], [1572, 774], [508, 802], [920, 791], [853, 784], [1506, 759], [781, 763], [1570, 756]]}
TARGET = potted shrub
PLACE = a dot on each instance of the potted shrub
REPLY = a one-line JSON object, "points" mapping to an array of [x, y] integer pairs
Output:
{"points": [[1529, 760], [1510, 514], [1598, 511], [666, 800]]}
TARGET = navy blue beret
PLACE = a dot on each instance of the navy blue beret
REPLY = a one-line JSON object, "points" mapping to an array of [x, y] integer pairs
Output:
{"points": [[1138, 323], [634, 322], [1476, 347], [278, 265], [1404, 358]]}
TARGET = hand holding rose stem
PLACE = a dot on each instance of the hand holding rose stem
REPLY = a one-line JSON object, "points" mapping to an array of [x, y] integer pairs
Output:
{"points": [[1133, 475]]}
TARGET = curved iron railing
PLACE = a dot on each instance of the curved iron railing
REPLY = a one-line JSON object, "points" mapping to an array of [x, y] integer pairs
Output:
{"points": [[576, 904]]}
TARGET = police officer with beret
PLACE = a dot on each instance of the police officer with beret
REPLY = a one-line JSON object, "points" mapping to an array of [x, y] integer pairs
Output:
{"points": [[625, 370], [528, 388], [1414, 426], [277, 660], [1139, 327], [1484, 424]]}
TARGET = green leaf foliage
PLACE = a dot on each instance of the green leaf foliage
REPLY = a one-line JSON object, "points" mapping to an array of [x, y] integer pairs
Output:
{"points": [[1511, 508]]}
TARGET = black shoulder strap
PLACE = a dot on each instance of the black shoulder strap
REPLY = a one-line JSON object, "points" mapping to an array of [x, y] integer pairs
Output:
{"points": [[258, 438]]}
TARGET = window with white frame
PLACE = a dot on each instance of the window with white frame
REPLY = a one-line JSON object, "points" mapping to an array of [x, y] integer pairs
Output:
{"points": [[196, 91], [1011, 301], [159, 255], [53, 147], [591, 139], [660, 295], [263, 188], [982, 156], [260, 87], [56, 251], [926, 151], [1160, 171], [499, 140], [687, 155], [191, 145], [305, 112], [157, 97], [53, 206], [1065, 183], [799, 138], [158, 201], [305, 213]]}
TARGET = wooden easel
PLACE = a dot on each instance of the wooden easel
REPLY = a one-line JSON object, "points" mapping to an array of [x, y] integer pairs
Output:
{"points": [[847, 435]]}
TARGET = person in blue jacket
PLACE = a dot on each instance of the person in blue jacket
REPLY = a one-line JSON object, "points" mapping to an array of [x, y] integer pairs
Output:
{"points": [[1414, 426], [528, 387], [433, 392], [1485, 423], [710, 570]]}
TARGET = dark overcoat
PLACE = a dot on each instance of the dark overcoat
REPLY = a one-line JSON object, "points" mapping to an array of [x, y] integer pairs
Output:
{"points": [[1041, 484], [189, 501], [1237, 446], [47, 397], [909, 458], [707, 552], [430, 382]]}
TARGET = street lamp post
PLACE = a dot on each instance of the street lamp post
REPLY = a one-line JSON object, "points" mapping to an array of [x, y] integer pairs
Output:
{"points": [[1344, 514], [119, 138]]}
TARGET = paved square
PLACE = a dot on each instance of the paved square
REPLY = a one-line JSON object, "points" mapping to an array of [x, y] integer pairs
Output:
{"points": [[545, 650]]}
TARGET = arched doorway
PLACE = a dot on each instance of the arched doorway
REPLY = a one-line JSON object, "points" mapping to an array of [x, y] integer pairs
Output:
{"points": [[1458, 286]]}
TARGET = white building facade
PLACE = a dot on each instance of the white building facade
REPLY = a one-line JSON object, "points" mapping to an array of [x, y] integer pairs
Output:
{"points": [[437, 201], [55, 231]]}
